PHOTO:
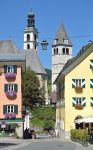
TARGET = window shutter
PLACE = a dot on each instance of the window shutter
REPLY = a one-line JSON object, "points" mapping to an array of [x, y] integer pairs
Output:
{"points": [[4, 109], [5, 87], [91, 83], [5, 69], [16, 87], [73, 83], [91, 101], [83, 83], [91, 63], [83, 101], [74, 101], [15, 69], [16, 109]]}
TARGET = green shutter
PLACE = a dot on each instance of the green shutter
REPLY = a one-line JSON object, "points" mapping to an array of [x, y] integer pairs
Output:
{"points": [[91, 64], [16, 109], [83, 101], [15, 69], [91, 83], [5, 87], [91, 101], [83, 83], [73, 83], [5, 69], [16, 87], [73, 101], [4, 109]]}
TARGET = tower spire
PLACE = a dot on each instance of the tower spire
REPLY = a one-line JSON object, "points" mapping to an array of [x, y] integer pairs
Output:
{"points": [[31, 19]]}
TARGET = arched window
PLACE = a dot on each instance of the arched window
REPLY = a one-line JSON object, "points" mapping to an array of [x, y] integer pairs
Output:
{"points": [[54, 51], [67, 51], [28, 37], [28, 46], [35, 37], [35, 46], [63, 50]]}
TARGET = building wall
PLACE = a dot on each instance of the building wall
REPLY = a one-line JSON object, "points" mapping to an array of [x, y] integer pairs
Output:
{"points": [[82, 71], [4, 100]]}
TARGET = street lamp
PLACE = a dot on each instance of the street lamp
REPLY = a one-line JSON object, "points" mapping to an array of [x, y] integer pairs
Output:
{"points": [[44, 44]]}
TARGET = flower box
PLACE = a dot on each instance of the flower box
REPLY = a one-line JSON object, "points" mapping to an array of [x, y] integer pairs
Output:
{"points": [[79, 107], [10, 115], [11, 93], [10, 76]]}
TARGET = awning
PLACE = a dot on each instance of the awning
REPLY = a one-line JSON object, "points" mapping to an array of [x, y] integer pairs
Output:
{"points": [[85, 120]]}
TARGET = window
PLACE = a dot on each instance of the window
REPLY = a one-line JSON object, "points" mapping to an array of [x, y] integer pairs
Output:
{"points": [[63, 51], [10, 69], [35, 37], [54, 51], [78, 82], [28, 46], [65, 41], [67, 51], [10, 87], [79, 101], [28, 37], [10, 108]]}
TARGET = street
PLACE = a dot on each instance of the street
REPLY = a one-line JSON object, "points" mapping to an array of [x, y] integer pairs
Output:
{"points": [[41, 144]]}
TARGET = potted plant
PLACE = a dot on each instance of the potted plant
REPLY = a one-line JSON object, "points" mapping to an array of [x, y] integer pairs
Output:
{"points": [[10, 76], [11, 93], [79, 107]]}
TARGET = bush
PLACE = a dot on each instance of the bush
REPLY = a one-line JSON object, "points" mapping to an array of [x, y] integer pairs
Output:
{"points": [[79, 134]]}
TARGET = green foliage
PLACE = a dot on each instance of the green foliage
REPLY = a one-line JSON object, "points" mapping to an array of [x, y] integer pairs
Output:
{"points": [[48, 71], [44, 117], [79, 134], [33, 95]]}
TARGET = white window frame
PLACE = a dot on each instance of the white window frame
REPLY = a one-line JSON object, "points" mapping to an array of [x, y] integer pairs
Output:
{"points": [[10, 108], [10, 69], [10, 87]]}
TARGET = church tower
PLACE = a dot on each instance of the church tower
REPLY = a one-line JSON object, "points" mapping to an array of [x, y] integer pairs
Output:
{"points": [[31, 33], [61, 53]]}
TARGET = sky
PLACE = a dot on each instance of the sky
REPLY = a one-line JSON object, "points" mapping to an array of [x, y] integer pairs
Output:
{"points": [[76, 15]]}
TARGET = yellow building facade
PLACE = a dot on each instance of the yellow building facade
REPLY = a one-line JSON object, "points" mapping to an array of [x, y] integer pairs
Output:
{"points": [[75, 90]]}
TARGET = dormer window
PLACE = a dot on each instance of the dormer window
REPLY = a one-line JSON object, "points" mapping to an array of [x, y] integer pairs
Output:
{"points": [[65, 41]]}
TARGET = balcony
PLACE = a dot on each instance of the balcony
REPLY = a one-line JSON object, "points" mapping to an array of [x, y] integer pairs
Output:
{"points": [[10, 76], [10, 115], [11, 94]]}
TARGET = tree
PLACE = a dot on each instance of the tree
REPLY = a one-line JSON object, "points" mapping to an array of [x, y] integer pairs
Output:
{"points": [[33, 95], [48, 71]]}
